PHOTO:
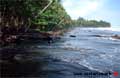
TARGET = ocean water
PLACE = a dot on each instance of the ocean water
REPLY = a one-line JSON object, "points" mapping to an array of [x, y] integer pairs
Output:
{"points": [[96, 53], [113, 28], [100, 53], [91, 50]]}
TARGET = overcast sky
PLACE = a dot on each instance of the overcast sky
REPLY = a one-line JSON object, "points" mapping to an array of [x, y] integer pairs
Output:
{"points": [[108, 10]]}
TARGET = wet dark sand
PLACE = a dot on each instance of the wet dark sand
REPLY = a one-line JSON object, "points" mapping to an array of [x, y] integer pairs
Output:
{"points": [[41, 65]]}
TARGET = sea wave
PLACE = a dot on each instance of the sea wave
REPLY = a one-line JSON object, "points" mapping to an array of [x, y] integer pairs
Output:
{"points": [[110, 28]]}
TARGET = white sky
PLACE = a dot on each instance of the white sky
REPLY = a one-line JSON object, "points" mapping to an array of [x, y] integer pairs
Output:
{"points": [[92, 9]]}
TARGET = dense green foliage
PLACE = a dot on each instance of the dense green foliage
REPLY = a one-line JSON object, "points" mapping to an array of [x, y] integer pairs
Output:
{"points": [[90, 23], [55, 17], [22, 18], [44, 15]]}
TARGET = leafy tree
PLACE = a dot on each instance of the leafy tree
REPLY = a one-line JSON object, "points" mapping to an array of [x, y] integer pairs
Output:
{"points": [[90, 23]]}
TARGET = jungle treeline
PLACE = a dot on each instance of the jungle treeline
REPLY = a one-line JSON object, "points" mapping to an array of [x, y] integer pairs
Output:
{"points": [[21, 16]]}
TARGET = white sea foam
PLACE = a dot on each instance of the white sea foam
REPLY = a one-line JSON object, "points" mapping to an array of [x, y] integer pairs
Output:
{"points": [[110, 28]]}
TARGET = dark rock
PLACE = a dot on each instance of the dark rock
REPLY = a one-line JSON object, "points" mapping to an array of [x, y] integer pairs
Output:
{"points": [[72, 36], [116, 36]]}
